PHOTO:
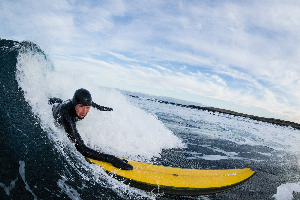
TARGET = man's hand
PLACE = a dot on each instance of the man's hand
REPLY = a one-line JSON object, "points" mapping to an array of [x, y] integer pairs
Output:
{"points": [[121, 164]]}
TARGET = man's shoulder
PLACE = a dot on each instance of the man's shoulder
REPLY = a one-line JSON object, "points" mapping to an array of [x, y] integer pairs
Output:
{"points": [[63, 106], [67, 104]]}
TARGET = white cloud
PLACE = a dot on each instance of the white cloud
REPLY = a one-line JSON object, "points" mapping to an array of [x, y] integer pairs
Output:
{"points": [[242, 52], [161, 68], [219, 80]]}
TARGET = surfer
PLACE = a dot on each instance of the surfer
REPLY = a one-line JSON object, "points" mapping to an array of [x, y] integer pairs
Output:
{"points": [[68, 112]]}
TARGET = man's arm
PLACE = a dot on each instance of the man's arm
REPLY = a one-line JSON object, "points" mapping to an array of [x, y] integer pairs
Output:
{"points": [[101, 108], [70, 128], [54, 100], [90, 153]]}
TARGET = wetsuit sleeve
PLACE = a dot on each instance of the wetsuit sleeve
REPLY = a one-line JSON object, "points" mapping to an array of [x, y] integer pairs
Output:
{"points": [[70, 127], [72, 132], [101, 108], [54, 100], [90, 153]]}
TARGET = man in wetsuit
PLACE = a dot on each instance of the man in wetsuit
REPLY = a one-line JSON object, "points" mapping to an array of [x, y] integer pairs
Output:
{"points": [[68, 112]]}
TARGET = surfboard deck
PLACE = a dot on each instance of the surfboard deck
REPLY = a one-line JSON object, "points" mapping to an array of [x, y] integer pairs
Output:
{"points": [[177, 181]]}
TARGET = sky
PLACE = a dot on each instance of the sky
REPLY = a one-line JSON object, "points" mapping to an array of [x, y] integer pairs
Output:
{"points": [[237, 55]]}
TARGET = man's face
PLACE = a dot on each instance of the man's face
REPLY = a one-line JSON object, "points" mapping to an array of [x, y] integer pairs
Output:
{"points": [[82, 110]]}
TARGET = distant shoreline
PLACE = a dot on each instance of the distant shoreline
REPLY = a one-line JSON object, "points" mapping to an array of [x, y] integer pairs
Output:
{"points": [[229, 112]]}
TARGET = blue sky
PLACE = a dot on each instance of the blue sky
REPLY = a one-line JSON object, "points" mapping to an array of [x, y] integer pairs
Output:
{"points": [[238, 55]]}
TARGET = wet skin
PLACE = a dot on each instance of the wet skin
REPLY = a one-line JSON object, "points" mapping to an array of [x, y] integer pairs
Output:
{"points": [[82, 110]]}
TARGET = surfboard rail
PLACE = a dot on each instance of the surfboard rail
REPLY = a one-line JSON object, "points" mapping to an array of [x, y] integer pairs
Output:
{"points": [[177, 181]]}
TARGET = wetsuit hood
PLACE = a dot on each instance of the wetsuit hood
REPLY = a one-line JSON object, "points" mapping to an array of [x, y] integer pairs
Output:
{"points": [[82, 96]]}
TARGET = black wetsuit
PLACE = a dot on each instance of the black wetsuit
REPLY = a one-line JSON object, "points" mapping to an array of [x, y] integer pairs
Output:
{"points": [[64, 113]]}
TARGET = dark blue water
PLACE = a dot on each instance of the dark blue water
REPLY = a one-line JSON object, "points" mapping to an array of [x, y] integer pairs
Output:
{"points": [[39, 162]]}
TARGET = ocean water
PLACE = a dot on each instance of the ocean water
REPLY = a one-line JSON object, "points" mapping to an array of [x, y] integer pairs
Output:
{"points": [[38, 161]]}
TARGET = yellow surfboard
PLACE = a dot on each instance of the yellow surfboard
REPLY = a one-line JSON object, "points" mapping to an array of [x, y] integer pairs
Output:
{"points": [[177, 181]]}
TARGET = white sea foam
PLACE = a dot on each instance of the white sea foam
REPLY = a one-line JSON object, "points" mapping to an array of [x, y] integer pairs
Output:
{"points": [[71, 192], [8, 188], [223, 126], [285, 191], [131, 132], [22, 174], [127, 131]]}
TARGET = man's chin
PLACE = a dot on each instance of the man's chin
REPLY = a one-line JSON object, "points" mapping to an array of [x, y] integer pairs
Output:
{"points": [[81, 117]]}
